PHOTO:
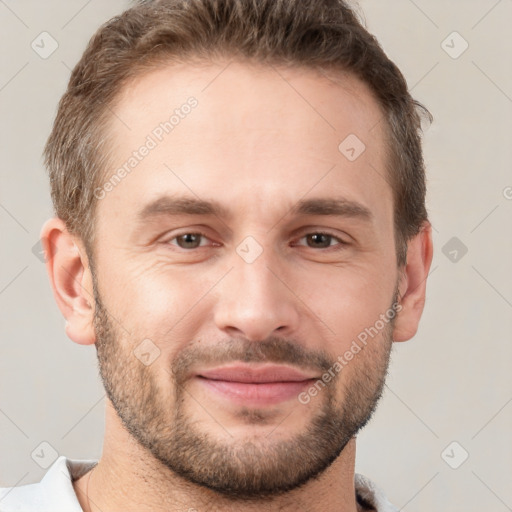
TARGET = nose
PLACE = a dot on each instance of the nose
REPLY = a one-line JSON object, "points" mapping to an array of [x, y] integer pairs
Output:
{"points": [[255, 300]]}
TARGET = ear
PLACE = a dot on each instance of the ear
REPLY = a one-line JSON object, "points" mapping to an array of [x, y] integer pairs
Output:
{"points": [[71, 280], [413, 284]]}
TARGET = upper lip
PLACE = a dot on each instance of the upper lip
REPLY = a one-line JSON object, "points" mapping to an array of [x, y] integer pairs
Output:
{"points": [[250, 373]]}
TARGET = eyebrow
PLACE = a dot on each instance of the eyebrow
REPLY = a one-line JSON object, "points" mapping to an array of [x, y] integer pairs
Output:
{"points": [[169, 206], [340, 207]]}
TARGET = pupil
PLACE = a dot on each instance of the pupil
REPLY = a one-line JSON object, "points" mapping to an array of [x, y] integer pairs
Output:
{"points": [[190, 238], [326, 238]]}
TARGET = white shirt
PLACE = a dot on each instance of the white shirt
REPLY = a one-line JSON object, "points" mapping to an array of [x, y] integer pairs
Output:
{"points": [[55, 493]]}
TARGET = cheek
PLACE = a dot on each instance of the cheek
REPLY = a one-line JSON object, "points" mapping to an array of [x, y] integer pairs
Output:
{"points": [[142, 294], [349, 304], [164, 305]]}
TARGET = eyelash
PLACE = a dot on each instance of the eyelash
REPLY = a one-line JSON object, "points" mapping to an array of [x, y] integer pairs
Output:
{"points": [[340, 246], [341, 243]]}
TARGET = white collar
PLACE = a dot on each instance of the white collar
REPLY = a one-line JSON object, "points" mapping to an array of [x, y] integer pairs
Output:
{"points": [[55, 492]]}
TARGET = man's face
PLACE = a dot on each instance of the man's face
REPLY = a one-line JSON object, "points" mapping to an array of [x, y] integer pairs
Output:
{"points": [[260, 285]]}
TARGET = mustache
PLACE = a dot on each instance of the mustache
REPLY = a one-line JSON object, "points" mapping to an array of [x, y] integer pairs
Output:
{"points": [[272, 350]]}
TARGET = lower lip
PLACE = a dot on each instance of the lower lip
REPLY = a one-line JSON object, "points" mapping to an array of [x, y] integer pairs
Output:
{"points": [[267, 393]]}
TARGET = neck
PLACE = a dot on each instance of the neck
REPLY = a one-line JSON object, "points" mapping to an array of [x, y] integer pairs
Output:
{"points": [[125, 464]]}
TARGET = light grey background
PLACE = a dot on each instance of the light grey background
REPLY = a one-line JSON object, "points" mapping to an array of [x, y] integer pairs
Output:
{"points": [[452, 382]]}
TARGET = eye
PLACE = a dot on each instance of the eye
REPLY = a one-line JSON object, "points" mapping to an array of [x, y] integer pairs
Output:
{"points": [[322, 240], [314, 240], [188, 240]]}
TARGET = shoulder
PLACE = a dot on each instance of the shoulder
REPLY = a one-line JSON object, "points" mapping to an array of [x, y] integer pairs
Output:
{"points": [[54, 493], [371, 496]]}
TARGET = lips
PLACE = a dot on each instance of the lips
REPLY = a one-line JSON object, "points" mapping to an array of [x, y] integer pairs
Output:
{"points": [[255, 386], [250, 374]]}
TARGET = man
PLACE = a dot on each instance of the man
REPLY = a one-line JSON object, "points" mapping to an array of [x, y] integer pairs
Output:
{"points": [[241, 232]]}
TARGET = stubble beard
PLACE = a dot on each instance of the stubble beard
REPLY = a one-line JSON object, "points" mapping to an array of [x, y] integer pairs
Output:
{"points": [[262, 468]]}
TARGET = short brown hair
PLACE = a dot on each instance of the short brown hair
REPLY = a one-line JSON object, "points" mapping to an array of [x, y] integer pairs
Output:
{"points": [[314, 34]]}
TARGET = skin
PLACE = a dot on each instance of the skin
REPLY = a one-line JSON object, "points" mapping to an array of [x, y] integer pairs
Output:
{"points": [[259, 140]]}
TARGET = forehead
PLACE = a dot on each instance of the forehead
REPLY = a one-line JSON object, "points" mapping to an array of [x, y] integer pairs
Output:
{"points": [[234, 130]]}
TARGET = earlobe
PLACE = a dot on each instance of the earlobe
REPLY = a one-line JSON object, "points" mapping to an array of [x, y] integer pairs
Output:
{"points": [[413, 283], [70, 277]]}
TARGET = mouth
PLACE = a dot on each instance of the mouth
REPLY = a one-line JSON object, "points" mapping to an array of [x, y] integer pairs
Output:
{"points": [[258, 386]]}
